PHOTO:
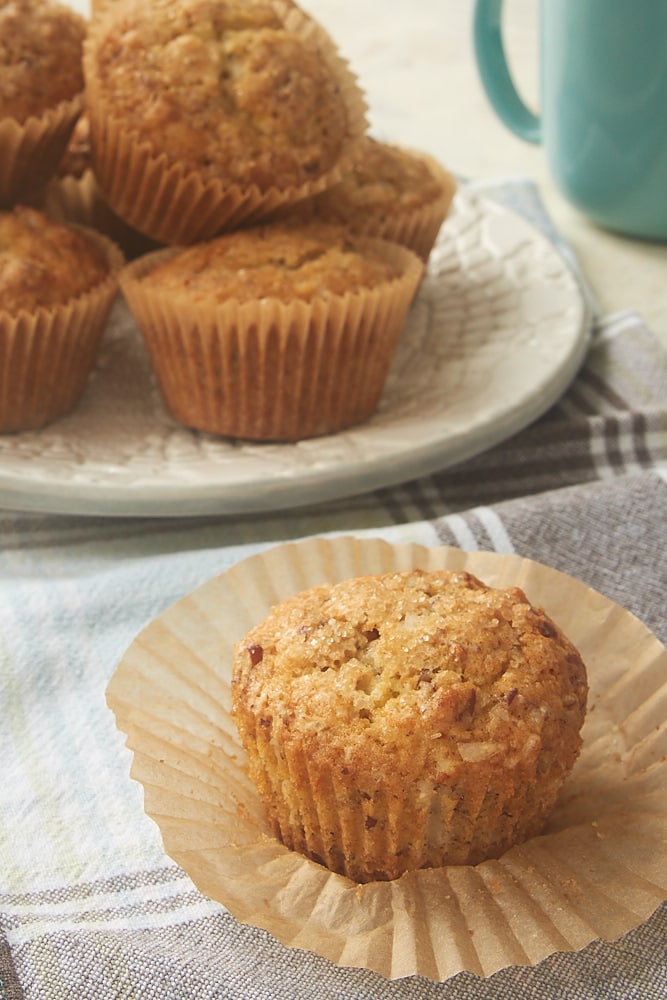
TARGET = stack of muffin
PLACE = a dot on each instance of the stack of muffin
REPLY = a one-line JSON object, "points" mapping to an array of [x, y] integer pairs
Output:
{"points": [[277, 248], [57, 284]]}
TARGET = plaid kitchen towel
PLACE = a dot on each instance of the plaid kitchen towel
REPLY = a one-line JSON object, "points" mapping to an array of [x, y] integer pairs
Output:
{"points": [[90, 906]]}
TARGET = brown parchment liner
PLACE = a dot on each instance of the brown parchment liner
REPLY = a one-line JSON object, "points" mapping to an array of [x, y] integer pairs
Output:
{"points": [[597, 872], [270, 370], [170, 202], [31, 150], [416, 228], [47, 354]]}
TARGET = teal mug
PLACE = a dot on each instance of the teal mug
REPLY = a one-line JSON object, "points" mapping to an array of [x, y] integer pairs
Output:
{"points": [[603, 104]]}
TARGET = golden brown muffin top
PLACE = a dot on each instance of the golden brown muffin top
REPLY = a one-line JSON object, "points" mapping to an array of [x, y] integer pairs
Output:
{"points": [[43, 263], [385, 178], [223, 86], [40, 56], [284, 263], [402, 661]]}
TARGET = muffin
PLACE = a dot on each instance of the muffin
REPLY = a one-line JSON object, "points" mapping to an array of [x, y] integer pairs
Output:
{"points": [[98, 7], [57, 285], [390, 192], [213, 112], [73, 195], [77, 199], [407, 720], [41, 91], [273, 333]]}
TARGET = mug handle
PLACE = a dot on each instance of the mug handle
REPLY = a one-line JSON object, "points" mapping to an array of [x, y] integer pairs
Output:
{"points": [[495, 75]]}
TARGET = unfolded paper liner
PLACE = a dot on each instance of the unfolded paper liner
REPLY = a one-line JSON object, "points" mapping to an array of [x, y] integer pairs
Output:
{"points": [[174, 204], [32, 150], [47, 354], [272, 370], [597, 871]]}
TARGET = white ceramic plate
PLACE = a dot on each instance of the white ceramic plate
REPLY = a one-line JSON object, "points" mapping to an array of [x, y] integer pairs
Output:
{"points": [[495, 336]]}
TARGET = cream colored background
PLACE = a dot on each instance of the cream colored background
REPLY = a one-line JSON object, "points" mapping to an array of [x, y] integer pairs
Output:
{"points": [[414, 59]]}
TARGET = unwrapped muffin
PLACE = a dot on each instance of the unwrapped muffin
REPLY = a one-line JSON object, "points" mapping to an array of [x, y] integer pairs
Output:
{"points": [[407, 720], [212, 112], [391, 192], [57, 285], [41, 91], [273, 333]]}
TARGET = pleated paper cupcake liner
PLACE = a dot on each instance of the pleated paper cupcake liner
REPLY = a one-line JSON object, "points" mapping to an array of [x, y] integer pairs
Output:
{"points": [[478, 815], [597, 871], [32, 150], [268, 370], [46, 355]]}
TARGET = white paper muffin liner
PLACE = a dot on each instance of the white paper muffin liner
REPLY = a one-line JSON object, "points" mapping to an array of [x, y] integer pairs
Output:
{"points": [[597, 871]]}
